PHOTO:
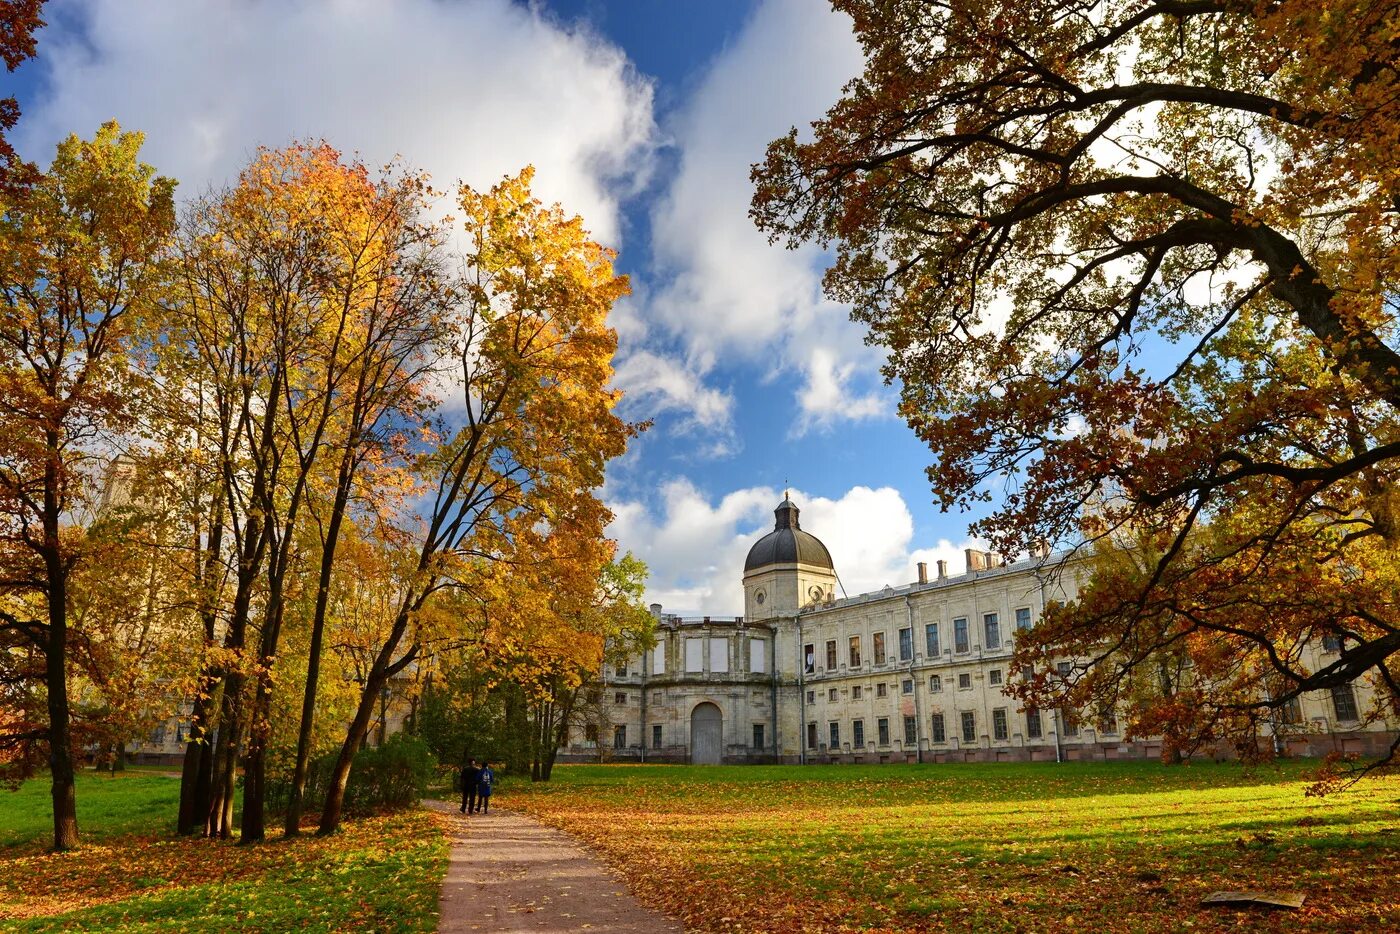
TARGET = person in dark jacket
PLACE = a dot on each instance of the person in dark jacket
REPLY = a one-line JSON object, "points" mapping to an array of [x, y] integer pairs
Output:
{"points": [[471, 776], [484, 780]]}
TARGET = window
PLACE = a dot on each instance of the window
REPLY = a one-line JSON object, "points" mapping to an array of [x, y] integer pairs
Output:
{"points": [[964, 682], [830, 654], [882, 725], [999, 723], [620, 736], [1331, 643], [656, 697], [931, 640], [855, 652], [811, 697], [831, 696], [1023, 618], [969, 727], [1070, 721], [1063, 668], [911, 727], [960, 643], [858, 733], [994, 676], [991, 631], [758, 736], [758, 655], [856, 692], [1292, 711], [622, 670], [833, 740], [1344, 702], [1032, 723], [880, 689], [935, 684], [590, 732], [719, 654], [658, 658], [906, 686], [879, 647], [809, 657], [938, 735], [812, 735], [656, 736], [906, 644], [695, 655], [1108, 722], [619, 698]]}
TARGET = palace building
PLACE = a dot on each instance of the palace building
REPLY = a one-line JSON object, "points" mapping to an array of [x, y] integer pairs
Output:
{"points": [[906, 674]]}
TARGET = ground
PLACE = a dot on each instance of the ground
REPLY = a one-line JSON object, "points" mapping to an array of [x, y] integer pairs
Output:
{"points": [[1129, 846]]}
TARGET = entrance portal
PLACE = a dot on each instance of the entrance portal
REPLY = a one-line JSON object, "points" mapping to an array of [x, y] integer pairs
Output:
{"points": [[706, 731]]}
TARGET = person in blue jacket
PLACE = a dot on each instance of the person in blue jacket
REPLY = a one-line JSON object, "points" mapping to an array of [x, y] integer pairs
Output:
{"points": [[484, 780]]}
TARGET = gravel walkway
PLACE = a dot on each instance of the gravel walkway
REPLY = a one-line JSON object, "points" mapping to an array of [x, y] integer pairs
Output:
{"points": [[508, 872]]}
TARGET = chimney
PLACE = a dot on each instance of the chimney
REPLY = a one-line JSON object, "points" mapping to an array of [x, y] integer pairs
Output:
{"points": [[994, 560], [1040, 548], [923, 572], [655, 610], [976, 560]]}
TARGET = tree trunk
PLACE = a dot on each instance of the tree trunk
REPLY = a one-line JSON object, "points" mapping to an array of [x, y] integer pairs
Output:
{"points": [[340, 775], [65, 804]]}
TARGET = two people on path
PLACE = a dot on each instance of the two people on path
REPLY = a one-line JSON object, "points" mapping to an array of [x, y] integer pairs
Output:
{"points": [[476, 787]]}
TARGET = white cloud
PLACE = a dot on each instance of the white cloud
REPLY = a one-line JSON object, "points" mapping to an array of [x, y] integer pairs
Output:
{"points": [[696, 550], [656, 384], [468, 91], [724, 292]]}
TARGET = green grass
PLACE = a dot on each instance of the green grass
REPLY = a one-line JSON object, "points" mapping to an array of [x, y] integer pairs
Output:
{"points": [[131, 874], [1102, 846]]}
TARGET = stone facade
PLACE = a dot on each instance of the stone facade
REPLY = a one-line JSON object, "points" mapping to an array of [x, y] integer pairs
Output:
{"points": [[914, 673]]}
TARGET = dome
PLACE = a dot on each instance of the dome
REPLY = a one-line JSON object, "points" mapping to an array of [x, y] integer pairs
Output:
{"points": [[787, 543]]}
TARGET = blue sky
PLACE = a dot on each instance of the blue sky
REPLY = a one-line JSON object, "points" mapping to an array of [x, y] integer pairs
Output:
{"points": [[642, 115]]}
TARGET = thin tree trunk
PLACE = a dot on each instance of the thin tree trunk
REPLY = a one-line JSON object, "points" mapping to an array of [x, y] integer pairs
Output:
{"points": [[65, 805]]}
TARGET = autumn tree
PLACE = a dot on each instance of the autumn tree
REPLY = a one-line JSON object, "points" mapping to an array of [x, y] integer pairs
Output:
{"points": [[515, 480], [1136, 260], [19, 20], [83, 264]]}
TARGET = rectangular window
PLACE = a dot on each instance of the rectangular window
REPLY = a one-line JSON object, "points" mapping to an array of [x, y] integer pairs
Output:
{"points": [[999, 723], [906, 686], [931, 640], [994, 676], [1023, 619], [758, 736], [856, 692], [880, 689], [1344, 702], [906, 644], [719, 654], [590, 732], [1063, 668], [882, 726], [656, 736], [695, 655], [758, 656], [1070, 723], [812, 735], [811, 697], [658, 658], [937, 735], [879, 648], [830, 654], [964, 682], [960, 643], [991, 631], [969, 727], [831, 696], [622, 670], [619, 698], [1033, 723], [833, 740], [1292, 711], [1331, 643], [1108, 722], [911, 727], [855, 652], [620, 736], [858, 733], [809, 658], [935, 684]]}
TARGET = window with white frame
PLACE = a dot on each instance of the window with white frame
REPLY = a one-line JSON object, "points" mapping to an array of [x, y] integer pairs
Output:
{"points": [[960, 641], [938, 734], [999, 730], [964, 682], [969, 727], [935, 684], [994, 676]]}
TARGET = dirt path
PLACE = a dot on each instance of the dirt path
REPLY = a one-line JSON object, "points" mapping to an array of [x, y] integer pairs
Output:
{"points": [[508, 872]]}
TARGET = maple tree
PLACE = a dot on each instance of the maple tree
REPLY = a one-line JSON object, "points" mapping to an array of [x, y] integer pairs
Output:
{"points": [[83, 265], [513, 484], [19, 20], [1135, 263]]}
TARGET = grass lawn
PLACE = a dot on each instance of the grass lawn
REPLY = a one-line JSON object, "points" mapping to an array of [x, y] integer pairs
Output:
{"points": [[1117, 846], [131, 874]]}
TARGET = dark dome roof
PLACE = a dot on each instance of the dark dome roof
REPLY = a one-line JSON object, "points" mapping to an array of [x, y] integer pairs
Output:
{"points": [[787, 543]]}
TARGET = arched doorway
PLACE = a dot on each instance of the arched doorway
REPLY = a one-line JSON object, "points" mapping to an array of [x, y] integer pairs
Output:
{"points": [[706, 743]]}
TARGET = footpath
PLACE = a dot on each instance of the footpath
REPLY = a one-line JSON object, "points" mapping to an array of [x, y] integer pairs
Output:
{"points": [[508, 872]]}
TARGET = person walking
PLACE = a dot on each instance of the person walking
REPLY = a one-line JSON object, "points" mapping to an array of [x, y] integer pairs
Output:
{"points": [[471, 775], [484, 780]]}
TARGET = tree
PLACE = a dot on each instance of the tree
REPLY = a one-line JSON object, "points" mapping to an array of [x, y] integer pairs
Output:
{"points": [[514, 485], [83, 263], [1136, 260], [19, 20]]}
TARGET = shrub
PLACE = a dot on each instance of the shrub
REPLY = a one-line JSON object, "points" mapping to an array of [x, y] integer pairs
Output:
{"points": [[384, 778]]}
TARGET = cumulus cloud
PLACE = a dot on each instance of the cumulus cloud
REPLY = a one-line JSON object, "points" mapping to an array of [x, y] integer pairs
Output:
{"points": [[695, 550], [469, 91], [656, 384]]}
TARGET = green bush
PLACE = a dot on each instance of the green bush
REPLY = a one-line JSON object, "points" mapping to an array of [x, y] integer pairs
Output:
{"points": [[384, 778]]}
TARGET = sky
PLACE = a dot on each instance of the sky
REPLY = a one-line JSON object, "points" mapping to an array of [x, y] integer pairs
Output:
{"points": [[644, 117]]}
